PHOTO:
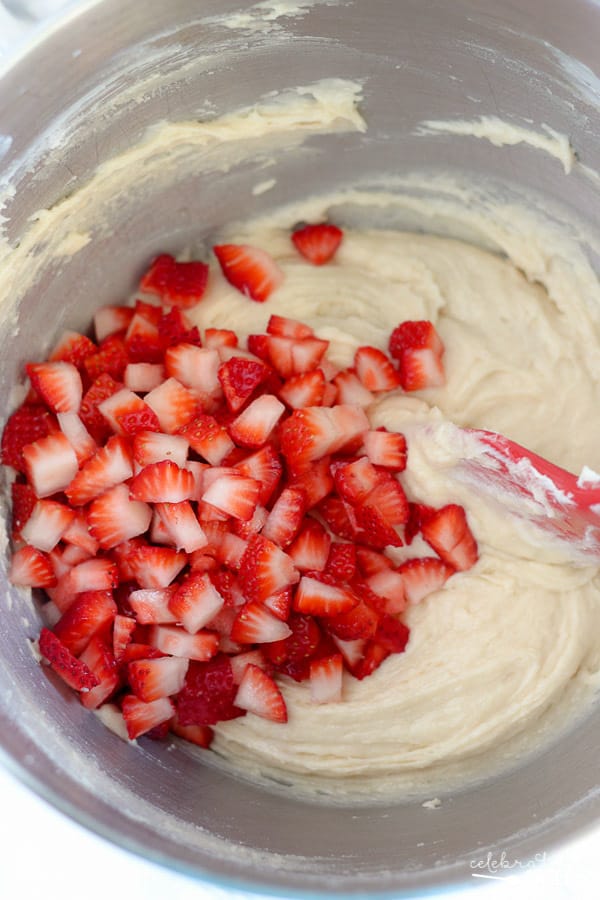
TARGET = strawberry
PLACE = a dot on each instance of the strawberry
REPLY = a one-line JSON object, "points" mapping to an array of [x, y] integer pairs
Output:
{"points": [[78, 535], [285, 518], [182, 526], [318, 599], [259, 694], [372, 528], [58, 384], [386, 449], [352, 651], [111, 358], [301, 644], [252, 525], [152, 447], [201, 735], [109, 466], [392, 634], [103, 387], [126, 413], [373, 656], [209, 439], [220, 337], [290, 328], [134, 651], [91, 611], [47, 524], [389, 499], [418, 513], [140, 717], [180, 284], [258, 345], [317, 243], [414, 334], [143, 377], [233, 494], [289, 356], [175, 328], [316, 482], [31, 568], [195, 602], [77, 435], [304, 390], [357, 623], [370, 561], [176, 641], [326, 679], [422, 577], [419, 350], [151, 679], [280, 604], [29, 423], [239, 379], [100, 661], [196, 368], [208, 693], [151, 605], [355, 480], [334, 513], [110, 320], [390, 585], [448, 532], [255, 624], [50, 464], [162, 482], [350, 389], [375, 370], [23, 500], [72, 347], [123, 629], [265, 467], [114, 518], [74, 672], [240, 661], [265, 569], [341, 562], [156, 567], [254, 425], [251, 270], [174, 405], [312, 433], [310, 549]]}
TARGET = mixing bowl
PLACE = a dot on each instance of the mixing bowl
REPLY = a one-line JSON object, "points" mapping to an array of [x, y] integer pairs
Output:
{"points": [[87, 88]]}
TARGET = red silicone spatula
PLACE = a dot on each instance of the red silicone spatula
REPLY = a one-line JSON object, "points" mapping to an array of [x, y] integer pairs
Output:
{"points": [[537, 490]]}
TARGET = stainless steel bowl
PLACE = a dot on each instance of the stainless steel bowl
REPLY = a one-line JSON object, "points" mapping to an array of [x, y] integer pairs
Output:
{"points": [[418, 59]]}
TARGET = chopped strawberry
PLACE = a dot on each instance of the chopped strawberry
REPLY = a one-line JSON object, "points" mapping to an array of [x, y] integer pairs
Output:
{"points": [[333, 511], [111, 359], [258, 345], [23, 500], [240, 661], [386, 449], [375, 370], [140, 717], [357, 623], [392, 634], [201, 735], [418, 513], [151, 605], [72, 347], [162, 482], [114, 518], [29, 423], [289, 356], [234, 495], [176, 641], [103, 387], [350, 389], [301, 644], [156, 567], [197, 368], [355, 480], [109, 466], [110, 320], [195, 602], [143, 377], [74, 672], [142, 340], [208, 438], [254, 425], [316, 482], [50, 464], [123, 629], [352, 651], [374, 654], [180, 284], [389, 499], [304, 390], [208, 693], [370, 561], [280, 604], [183, 528], [239, 378], [175, 328], [77, 435], [310, 549], [312, 433], [390, 585], [318, 243], [152, 447], [326, 679], [372, 528], [415, 334], [265, 467], [91, 611], [99, 659], [151, 679], [341, 562], [419, 351], [251, 270], [318, 599], [423, 576], [448, 532], [134, 651], [47, 524], [31, 568], [265, 569], [289, 328], [259, 694], [58, 383], [252, 525], [255, 624], [78, 535], [216, 338], [126, 413], [285, 518], [174, 405]]}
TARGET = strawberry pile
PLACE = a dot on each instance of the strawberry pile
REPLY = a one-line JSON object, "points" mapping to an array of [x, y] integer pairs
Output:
{"points": [[207, 518]]}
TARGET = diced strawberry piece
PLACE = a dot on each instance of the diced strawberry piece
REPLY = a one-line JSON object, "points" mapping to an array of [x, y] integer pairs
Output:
{"points": [[421, 369], [50, 464], [316, 482], [418, 513], [372, 528], [333, 511], [423, 576], [111, 319], [180, 284], [103, 387], [370, 561], [200, 561], [254, 425], [355, 624], [326, 679], [111, 359], [29, 423], [259, 694], [312, 433], [91, 611], [175, 328], [373, 656], [123, 629], [134, 651], [142, 340], [386, 449], [304, 390], [302, 643], [318, 599], [289, 356], [208, 694], [350, 389], [317, 243], [72, 347], [251, 270], [285, 518], [151, 605], [151, 447], [58, 383], [162, 482], [389, 585], [234, 495], [264, 466], [196, 368], [201, 735], [341, 563], [79, 536], [415, 334], [255, 624], [265, 569], [389, 499], [182, 526], [90, 575], [114, 518], [231, 550], [140, 717], [252, 525], [355, 480], [46, 525], [72, 671], [174, 405], [258, 344], [448, 532], [151, 312], [352, 651], [126, 413], [31, 568], [195, 602], [239, 378], [176, 641], [101, 662], [216, 338], [209, 439], [375, 370], [392, 634], [289, 328], [109, 466], [143, 377], [156, 567], [280, 604], [240, 661], [310, 549], [151, 679], [23, 500], [77, 435]]}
